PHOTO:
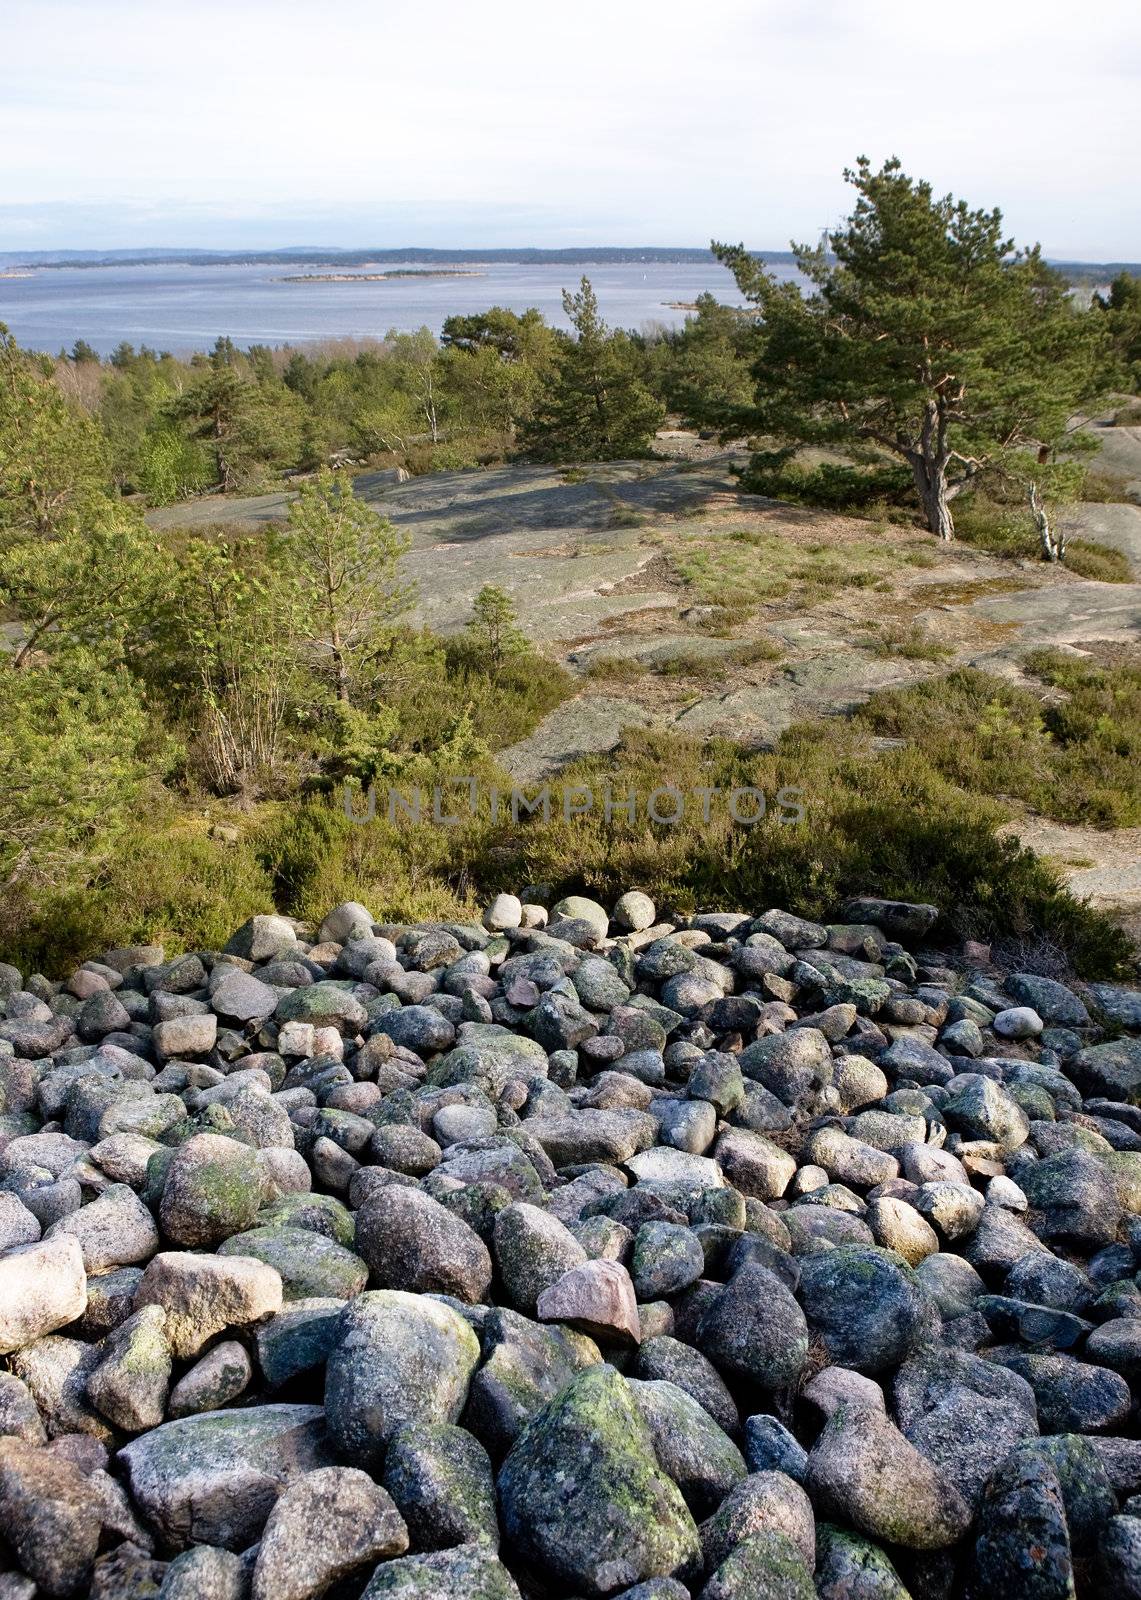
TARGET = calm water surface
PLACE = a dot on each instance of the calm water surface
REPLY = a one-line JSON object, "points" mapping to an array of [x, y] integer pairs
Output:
{"points": [[185, 308]]}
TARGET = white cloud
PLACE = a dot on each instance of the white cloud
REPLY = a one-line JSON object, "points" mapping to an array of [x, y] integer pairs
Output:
{"points": [[374, 122]]}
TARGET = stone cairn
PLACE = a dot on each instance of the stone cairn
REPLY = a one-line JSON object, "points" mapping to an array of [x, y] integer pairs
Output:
{"points": [[570, 1254]]}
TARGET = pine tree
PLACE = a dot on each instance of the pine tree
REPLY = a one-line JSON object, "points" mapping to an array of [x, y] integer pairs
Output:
{"points": [[925, 335], [594, 406]]}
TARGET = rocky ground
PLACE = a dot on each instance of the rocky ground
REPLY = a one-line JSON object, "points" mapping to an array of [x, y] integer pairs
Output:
{"points": [[594, 560], [576, 1254]]}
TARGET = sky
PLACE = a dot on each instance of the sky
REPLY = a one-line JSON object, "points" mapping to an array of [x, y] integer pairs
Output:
{"points": [[261, 123]]}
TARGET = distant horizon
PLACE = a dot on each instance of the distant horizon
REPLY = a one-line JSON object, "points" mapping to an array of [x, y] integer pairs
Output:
{"points": [[121, 255]]}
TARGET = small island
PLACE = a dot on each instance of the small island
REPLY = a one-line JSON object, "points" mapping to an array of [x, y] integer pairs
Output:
{"points": [[379, 277]]}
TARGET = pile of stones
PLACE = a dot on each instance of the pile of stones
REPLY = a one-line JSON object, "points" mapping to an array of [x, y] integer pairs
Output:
{"points": [[571, 1253]]}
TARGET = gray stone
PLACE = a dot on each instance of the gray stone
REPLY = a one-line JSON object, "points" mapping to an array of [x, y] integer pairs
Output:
{"points": [[666, 1259], [765, 1566], [1023, 1544], [51, 1516], [763, 1501], [851, 1568], [218, 1377], [411, 1242], [114, 1230], [532, 1251], [310, 1265], [682, 1365], [862, 1470], [205, 1573], [756, 1329]]}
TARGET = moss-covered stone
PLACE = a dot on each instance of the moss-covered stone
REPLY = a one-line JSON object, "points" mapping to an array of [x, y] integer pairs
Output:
{"points": [[311, 1265], [214, 1188], [582, 1494]]}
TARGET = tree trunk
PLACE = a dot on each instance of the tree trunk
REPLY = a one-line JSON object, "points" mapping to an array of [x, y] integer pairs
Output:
{"points": [[931, 486], [1053, 545], [340, 669]]}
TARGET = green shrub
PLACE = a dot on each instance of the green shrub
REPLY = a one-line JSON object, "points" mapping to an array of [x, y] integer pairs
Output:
{"points": [[829, 486]]}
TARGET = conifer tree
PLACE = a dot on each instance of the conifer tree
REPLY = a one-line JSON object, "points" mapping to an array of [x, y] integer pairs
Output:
{"points": [[924, 335]]}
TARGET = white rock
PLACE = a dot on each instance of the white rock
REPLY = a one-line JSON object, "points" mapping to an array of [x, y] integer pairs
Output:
{"points": [[43, 1286], [505, 911], [1020, 1022], [665, 1165], [1004, 1192], [344, 921], [635, 911], [296, 1039]]}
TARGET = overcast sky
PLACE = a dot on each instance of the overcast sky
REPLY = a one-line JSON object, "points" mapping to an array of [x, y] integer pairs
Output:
{"points": [[448, 122]]}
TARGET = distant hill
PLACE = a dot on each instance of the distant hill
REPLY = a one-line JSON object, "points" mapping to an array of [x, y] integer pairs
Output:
{"points": [[1083, 272], [313, 254]]}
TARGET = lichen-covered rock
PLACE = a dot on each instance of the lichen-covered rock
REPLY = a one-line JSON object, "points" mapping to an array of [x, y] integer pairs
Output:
{"points": [[763, 1501], [398, 1358], [442, 1483], [581, 1492], [443, 1575], [131, 1382], [866, 1305], [532, 1251], [218, 1377], [862, 1470], [214, 1188], [525, 1365], [214, 1478], [310, 1265], [205, 1573], [678, 1363], [698, 1455], [324, 1527], [849, 1567], [765, 1566]]}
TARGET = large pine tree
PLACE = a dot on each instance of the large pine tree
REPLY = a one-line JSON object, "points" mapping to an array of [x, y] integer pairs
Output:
{"points": [[924, 334]]}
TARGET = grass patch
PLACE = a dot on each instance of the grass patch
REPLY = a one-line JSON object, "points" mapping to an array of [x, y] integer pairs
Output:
{"points": [[615, 669], [627, 517], [1077, 762], [849, 490], [913, 644], [890, 824], [1098, 561], [749, 568]]}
